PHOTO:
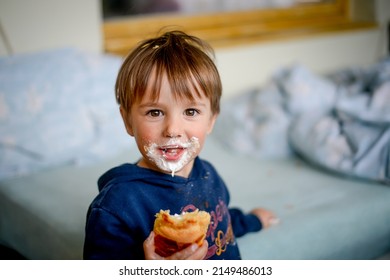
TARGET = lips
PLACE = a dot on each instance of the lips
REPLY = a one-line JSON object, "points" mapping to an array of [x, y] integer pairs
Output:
{"points": [[172, 153]]}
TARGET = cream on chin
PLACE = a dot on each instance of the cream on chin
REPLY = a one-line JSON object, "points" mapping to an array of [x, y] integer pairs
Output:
{"points": [[173, 155]]}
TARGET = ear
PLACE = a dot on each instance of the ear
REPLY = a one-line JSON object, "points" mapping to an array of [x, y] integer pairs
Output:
{"points": [[126, 120], [213, 119]]}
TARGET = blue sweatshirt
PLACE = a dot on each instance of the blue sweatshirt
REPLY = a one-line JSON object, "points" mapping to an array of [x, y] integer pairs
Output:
{"points": [[122, 215]]}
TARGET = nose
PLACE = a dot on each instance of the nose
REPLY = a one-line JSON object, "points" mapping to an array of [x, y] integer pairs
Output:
{"points": [[173, 127]]}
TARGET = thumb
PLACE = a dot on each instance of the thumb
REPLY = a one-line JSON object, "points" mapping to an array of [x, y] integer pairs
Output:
{"points": [[149, 248]]}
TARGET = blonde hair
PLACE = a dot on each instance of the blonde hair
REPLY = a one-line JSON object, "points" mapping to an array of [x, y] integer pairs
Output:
{"points": [[186, 60]]}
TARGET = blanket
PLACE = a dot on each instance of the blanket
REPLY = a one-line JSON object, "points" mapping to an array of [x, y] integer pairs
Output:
{"points": [[57, 107], [339, 122]]}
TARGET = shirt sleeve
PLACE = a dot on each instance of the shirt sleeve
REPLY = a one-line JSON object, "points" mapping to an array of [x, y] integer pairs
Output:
{"points": [[107, 238], [244, 223]]}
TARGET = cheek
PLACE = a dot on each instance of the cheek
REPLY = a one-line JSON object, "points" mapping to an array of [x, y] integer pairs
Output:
{"points": [[143, 131], [144, 136], [200, 134]]}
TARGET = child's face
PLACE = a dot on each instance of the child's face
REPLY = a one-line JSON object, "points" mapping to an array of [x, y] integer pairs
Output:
{"points": [[169, 133]]}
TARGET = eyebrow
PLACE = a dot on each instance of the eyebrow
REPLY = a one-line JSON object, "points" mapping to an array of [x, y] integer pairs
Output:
{"points": [[149, 104], [156, 104], [196, 104]]}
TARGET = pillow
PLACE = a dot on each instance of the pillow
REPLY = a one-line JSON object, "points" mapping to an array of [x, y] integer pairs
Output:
{"points": [[57, 107]]}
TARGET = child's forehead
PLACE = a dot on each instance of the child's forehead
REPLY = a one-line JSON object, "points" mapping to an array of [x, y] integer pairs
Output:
{"points": [[190, 96], [176, 98], [183, 90], [163, 77]]}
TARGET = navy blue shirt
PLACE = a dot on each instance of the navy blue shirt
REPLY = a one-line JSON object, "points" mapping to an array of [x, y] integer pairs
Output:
{"points": [[122, 215]]}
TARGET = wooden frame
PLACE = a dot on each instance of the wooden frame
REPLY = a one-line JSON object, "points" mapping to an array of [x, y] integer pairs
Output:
{"points": [[232, 28]]}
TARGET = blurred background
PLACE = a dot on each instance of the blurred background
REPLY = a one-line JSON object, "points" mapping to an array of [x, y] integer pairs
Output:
{"points": [[278, 59], [258, 36]]}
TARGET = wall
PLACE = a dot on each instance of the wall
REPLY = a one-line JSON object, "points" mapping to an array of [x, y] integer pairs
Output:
{"points": [[382, 15], [31, 25], [250, 66]]}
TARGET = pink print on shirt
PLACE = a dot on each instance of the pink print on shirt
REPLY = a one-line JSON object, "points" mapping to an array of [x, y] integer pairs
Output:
{"points": [[219, 238]]}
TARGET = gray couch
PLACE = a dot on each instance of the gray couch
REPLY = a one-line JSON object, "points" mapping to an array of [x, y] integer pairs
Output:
{"points": [[323, 216]]}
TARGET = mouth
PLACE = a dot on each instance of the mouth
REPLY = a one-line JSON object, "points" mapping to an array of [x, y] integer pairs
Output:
{"points": [[172, 153]]}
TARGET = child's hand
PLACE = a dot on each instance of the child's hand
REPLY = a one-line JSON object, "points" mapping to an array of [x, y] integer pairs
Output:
{"points": [[266, 217], [193, 252]]}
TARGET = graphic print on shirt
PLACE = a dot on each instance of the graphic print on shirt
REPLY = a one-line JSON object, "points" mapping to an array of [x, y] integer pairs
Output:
{"points": [[220, 232]]}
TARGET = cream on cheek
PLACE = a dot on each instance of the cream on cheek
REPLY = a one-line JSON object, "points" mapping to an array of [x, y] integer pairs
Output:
{"points": [[162, 154]]}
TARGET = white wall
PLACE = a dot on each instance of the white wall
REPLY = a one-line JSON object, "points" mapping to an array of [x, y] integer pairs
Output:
{"points": [[245, 67], [382, 15], [32, 25]]}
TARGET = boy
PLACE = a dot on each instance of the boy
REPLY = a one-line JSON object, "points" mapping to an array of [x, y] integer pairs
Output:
{"points": [[169, 90]]}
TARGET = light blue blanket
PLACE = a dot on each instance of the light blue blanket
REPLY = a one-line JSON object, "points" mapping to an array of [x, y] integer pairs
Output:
{"points": [[340, 122], [57, 108]]}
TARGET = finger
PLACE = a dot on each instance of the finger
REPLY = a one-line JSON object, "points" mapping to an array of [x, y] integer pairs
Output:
{"points": [[184, 254], [149, 248], [266, 217], [193, 252], [201, 252], [274, 221], [149, 242]]}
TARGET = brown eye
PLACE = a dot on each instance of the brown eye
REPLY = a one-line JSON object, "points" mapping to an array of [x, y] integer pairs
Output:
{"points": [[191, 112], [154, 113]]}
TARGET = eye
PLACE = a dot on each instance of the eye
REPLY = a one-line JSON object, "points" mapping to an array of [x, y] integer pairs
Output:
{"points": [[154, 113], [191, 112]]}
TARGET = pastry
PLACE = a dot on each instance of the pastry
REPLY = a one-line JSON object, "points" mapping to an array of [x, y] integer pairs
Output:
{"points": [[176, 232]]}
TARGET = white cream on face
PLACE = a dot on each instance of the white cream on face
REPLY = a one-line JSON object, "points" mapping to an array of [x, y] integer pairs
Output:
{"points": [[153, 152]]}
